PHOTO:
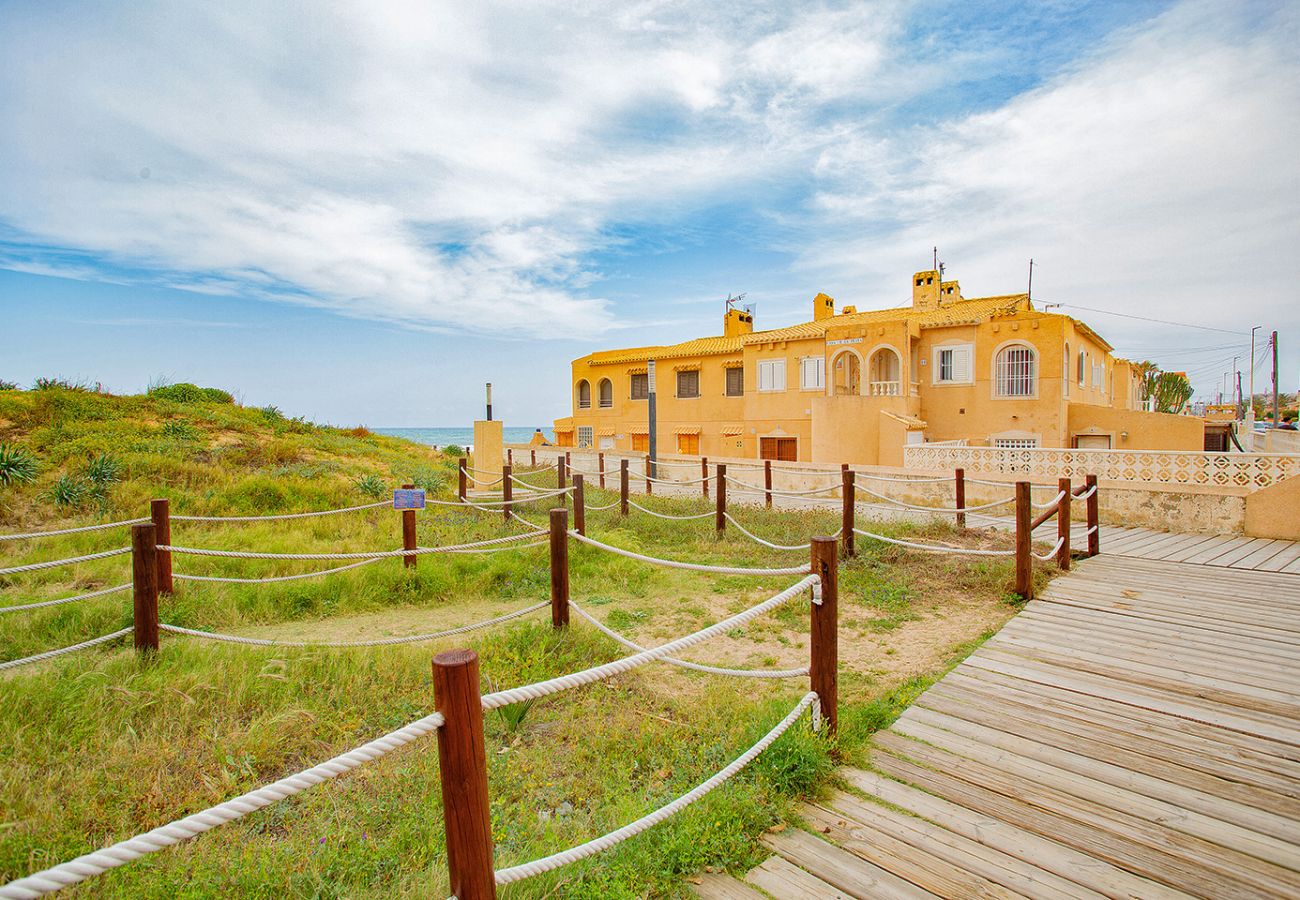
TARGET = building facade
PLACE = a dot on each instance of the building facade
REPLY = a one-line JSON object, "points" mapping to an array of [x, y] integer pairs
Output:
{"points": [[857, 386]]}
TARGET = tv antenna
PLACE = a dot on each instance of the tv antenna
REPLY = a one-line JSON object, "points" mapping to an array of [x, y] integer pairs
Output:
{"points": [[733, 300]]}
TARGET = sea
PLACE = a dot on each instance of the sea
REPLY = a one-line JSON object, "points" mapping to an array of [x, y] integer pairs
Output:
{"points": [[461, 437]]}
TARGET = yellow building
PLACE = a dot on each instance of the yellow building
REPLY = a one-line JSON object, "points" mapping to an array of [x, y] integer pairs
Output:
{"points": [[856, 386]]}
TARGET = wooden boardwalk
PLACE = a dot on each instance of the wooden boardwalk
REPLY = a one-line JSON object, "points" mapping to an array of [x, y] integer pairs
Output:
{"points": [[1135, 732]]}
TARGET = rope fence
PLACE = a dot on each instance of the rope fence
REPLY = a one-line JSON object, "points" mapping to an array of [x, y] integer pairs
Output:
{"points": [[50, 654], [104, 592], [678, 564], [280, 517], [83, 528], [70, 561]]}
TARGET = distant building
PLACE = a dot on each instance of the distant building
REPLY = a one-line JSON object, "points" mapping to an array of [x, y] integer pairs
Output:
{"points": [[856, 386]]}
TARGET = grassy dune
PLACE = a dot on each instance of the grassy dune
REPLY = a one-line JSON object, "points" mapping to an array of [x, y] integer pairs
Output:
{"points": [[100, 745]]}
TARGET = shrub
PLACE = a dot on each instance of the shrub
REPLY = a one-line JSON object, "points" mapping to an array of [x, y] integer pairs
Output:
{"points": [[359, 432], [17, 465], [59, 383], [372, 486], [184, 392], [453, 450], [68, 492], [429, 479], [104, 470], [180, 430], [8, 385], [272, 415]]}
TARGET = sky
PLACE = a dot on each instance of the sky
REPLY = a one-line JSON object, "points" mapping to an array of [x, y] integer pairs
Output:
{"points": [[361, 212]]}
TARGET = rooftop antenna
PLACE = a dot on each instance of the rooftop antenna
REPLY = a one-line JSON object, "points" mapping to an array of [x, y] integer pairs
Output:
{"points": [[733, 300], [936, 259], [1030, 293]]}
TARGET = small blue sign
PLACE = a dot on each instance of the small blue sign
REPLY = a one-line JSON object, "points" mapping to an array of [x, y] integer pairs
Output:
{"points": [[408, 498]]}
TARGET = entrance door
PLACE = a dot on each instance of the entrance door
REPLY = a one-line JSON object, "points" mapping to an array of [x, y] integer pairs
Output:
{"points": [[782, 449], [1092, 442]]}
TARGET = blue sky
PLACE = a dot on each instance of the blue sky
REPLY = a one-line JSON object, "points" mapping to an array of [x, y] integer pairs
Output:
{"points": [[363, 212]]}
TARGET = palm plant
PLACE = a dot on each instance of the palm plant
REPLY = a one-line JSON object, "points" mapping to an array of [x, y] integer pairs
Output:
{"points": [[17, 466]]}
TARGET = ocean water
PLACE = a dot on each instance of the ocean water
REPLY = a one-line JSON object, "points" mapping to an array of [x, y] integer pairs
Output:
{"points": [[461, 437]]}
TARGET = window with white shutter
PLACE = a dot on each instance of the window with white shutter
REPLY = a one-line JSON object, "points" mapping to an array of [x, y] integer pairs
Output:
{"points": [[771, 375], [952, 365], [812, 373]]}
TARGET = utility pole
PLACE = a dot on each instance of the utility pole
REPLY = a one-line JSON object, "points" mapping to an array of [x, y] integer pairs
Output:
{"points": [[654, 443], [1276, 418], [489, 401], [1251, 412]]}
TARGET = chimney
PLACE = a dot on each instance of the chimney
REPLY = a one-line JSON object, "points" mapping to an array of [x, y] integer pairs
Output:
{"points": [[737, 322], [823, 307], [925, 290]]}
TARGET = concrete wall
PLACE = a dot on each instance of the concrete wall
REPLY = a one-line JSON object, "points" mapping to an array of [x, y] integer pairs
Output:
{"points": [[1136, 430], [1274, 512]]}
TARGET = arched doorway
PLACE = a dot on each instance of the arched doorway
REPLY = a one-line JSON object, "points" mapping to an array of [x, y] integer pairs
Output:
{"points": [[885, 373], [847, 373]]}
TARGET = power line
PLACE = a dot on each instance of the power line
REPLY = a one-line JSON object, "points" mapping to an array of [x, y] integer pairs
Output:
{"points": [[1145, 319]]}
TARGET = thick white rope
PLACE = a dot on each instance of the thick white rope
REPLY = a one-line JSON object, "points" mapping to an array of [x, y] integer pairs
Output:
{"points": [[933, 548], [276, 518], [675, 564], [944, 509], [1091, 530], [41, 534], [900, 480], [669, 481], [123, 852], [759, 489], [1055, 500], [370, 554], [50, 654], [541, 543], [32, 567], [753, 537], [605, 507], [275, 578], [529, 498], [375, 642], [617, 667], [1086, 494], [592, 847], [100, 593], [659, 515], [537, 529], [676, 463], [686, 663], [1050, 553]]}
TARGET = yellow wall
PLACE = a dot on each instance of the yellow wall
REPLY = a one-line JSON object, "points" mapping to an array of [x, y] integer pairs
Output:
{"points": [[1146, 431], [1271, 512]]}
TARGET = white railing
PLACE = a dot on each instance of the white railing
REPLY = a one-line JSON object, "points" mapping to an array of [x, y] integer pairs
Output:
{"points": [[1251, 471], [884, 388]]}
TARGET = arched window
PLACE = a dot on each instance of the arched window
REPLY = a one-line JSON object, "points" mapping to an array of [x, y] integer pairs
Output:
{"points": [[884, 370], [848, 374], [1083, 364], [1065, 379], [606, 393], [1016, 371], [584, 394]]}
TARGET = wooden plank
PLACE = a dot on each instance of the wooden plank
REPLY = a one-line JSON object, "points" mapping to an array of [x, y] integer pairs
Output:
{"points": [[1231, 557], [1206, 542], [1277, 563], [1223, 821], [1129, 545], [1204, 556], [1281, 733], [1113, 739], [1274, 590], [1172, 544], [1242, 749], [783, 879], [724, 887], [1259, 557], [901, 858], [1130, 565], [841, 869], [1148, 849], [1043, 852], [993, 865], [1118, 607]]}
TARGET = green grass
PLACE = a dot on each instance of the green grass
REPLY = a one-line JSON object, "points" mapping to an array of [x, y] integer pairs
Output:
{"points": [[101, 745]]}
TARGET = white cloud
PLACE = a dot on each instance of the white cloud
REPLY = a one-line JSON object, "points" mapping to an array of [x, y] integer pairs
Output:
{"points": [[1157, 176]]}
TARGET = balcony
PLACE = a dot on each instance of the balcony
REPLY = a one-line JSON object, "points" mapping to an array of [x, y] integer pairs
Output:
{"points": [[884, 388]]}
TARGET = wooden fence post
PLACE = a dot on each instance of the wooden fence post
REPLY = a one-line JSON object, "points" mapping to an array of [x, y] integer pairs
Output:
{"points": [[559, 568], [1024, 542], [704, 474], [1094, 516], [562, 474], [408, 532], [1063, 524], [960, 484], [510, 457], [462, 764], [720, 493], [579, 506], [623, 475], [144, 574], [767, 483], [160, 513], [507, 491], [848, 510], [600, 468], [532, 459], [649, 489], [824, 645], [462, 480]]}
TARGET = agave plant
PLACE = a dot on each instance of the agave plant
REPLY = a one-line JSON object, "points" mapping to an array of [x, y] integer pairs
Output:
{"points": [[8, 385], [104, 470], [17, 465], [68, 492], [372, 486]]}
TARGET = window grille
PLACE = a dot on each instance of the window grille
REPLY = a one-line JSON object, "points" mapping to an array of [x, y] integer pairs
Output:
{"points": [[584, 435], [1015, 372]]}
